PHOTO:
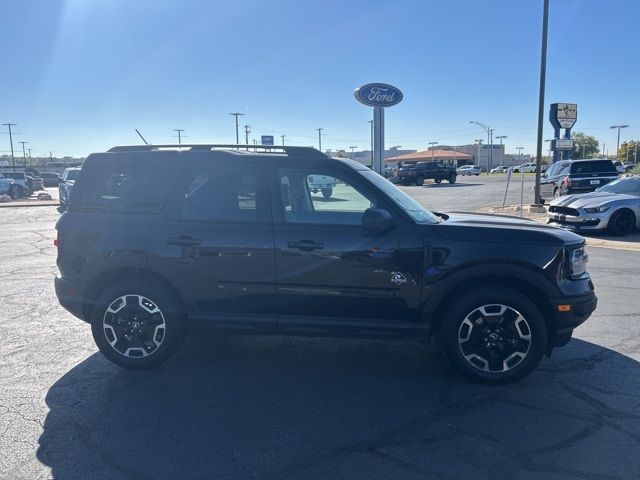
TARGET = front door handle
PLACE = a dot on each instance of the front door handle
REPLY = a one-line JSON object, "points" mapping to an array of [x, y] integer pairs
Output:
{"points": [[184, 241], [305, 245]]}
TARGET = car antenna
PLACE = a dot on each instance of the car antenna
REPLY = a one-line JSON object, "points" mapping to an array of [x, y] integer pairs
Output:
{"points": [[145, 142]]}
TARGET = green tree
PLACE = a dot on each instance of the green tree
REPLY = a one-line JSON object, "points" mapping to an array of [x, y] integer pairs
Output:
{"points": [[584, 146], [628, 151]]}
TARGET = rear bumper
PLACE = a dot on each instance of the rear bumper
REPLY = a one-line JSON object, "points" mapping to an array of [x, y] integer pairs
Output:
{"points": [[71, 295], [580, 308]]}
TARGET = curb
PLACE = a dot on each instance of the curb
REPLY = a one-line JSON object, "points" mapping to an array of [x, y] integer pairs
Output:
{"points": [[46, 203], [596, 242]]}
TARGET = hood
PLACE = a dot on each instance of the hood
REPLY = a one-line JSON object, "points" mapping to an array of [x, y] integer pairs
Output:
{"points": [[501, 228], [593, 199]]}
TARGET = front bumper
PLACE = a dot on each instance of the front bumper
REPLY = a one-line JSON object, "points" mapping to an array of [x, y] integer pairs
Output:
{"points": [[70, 295], [570, 312], [582, 222]]}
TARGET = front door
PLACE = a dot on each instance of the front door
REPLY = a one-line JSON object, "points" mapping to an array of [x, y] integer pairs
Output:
{"points": [[331, 274], [216, 238]]}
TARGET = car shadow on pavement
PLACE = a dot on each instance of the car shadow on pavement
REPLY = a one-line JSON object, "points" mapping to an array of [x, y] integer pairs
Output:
{"points": [[450, 185], [238, 407]]}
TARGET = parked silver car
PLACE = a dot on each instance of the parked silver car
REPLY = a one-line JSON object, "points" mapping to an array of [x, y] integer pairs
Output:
{"points": [[614, 207]]}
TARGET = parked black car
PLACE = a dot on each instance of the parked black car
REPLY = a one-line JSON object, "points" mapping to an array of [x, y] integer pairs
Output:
{"points": [[157, 242], [576, 176], [421, 171]]}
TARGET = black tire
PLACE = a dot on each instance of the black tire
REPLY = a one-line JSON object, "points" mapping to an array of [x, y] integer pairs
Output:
{"points": [[452, 179], [557, 193], [622, 222], [419, 180], [506, 335], [327, 192], [437, 180], [14, 191], [169, 328]]}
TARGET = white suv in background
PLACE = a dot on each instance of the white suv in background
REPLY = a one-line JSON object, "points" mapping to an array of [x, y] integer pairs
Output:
{"points": [[525, 167]]}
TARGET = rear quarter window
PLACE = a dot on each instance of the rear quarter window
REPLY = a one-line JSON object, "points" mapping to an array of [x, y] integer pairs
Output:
{"points": [[598, 166], [124, 189]]}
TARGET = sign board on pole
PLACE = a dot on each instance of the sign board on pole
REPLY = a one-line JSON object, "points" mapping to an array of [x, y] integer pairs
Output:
{"points": [[266, 140], [379, 96], [562, 144], [564, 115]]}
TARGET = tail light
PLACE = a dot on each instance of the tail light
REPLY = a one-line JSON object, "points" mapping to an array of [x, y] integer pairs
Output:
{"points": [[567, 182], [56, 241]]}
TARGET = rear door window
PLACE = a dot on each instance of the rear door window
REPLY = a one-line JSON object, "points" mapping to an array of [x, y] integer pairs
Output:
{"points": [[124, 189]]}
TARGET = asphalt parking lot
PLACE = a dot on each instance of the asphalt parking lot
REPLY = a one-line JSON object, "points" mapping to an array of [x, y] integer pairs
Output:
{"points": [[252, 407]]}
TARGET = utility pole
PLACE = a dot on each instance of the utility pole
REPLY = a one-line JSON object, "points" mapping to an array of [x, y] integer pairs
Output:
{"points": [[282, 137], [24, 154], [247, 131], [501, 153], [13, 158], [543, 78], [30, 158], [371, 125], [319, 138], [603, 144], [237, 114], [50, 156], [179, 130], [619, 127]]}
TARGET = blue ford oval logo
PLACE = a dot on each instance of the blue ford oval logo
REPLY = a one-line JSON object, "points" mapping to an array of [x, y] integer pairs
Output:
{"points": [[378, 95]]}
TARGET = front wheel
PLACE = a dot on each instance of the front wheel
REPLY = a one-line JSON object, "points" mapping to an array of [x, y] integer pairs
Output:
{"points": [[437, 180], [327, 192], [14, 192], [138, 324], [622, 222], [494, 335], [419, 181]]}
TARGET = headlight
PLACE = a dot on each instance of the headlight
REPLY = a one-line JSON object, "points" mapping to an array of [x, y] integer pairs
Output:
{"points": [[577, 262], [596, 209]]}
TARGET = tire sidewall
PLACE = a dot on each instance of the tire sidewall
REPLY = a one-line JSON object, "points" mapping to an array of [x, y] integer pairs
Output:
{"points": [[614, 230], [505, 296], [172, 311]]}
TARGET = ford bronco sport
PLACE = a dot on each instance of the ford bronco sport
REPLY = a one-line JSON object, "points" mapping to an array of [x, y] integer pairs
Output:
{"points": [[159, 241]]}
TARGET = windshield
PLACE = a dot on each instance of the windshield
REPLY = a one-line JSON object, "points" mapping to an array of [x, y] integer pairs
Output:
{"points": [[404, 201], [630, 186]]}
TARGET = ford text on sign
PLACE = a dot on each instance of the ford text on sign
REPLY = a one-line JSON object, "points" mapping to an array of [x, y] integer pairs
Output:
{"points": [[378, 95]]}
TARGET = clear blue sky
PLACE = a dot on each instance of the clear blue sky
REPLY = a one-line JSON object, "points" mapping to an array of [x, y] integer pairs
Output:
{"points": [[80, 75]]}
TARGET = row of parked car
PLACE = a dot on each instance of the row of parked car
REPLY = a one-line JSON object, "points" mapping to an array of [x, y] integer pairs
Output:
{"points": [[24, 184]]}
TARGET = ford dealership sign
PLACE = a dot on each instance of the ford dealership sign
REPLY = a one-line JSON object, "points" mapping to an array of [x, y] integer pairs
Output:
{"points": [[378, 95]]}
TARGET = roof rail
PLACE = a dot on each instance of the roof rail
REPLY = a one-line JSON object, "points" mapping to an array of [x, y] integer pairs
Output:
{"points": [[307, 152]]}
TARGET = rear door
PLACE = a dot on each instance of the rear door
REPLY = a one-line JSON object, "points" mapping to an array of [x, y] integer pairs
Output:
{"points": [[331, 275], [216, 239]]}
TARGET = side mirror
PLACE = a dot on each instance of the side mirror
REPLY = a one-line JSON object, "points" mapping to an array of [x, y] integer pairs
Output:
{"points": [[377, 220]]}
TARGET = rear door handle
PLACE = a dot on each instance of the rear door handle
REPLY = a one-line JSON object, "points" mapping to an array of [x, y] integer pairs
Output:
{"points": [[184, 241], [305, 245]]}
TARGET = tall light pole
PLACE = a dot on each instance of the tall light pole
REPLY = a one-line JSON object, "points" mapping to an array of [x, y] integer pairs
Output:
{"points": [[13, 158], [237, 114], [489, 131], [521, 178], [282, 137], [543, 77], [619, 127], [433, 144], [24, 154], [30, 158], [319, 138]]}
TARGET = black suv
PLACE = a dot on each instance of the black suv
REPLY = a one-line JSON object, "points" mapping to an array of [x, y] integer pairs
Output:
{"points": [[576, 176], [158, 241], [421, 171]]}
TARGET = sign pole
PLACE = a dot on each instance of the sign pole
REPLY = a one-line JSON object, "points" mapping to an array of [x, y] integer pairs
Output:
{"points": [[378, 140]]}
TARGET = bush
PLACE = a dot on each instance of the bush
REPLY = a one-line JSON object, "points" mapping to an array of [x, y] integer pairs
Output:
{"points": [[635, 170]]}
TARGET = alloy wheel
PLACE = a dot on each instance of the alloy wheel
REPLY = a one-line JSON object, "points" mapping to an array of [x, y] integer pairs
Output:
{"points": [[494, 338], [134, 326]]}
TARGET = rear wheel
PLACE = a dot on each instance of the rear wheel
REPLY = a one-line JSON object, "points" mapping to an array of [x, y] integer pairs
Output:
{"points": [[138, 324], [327, 192], [494, 335], [14, 192], [622, 222], [452, 179], [419, 180], [437, 180]]}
